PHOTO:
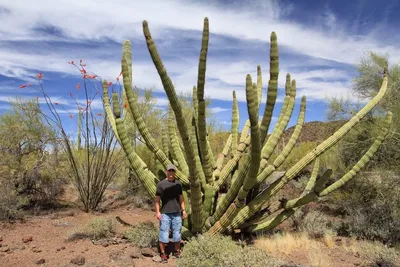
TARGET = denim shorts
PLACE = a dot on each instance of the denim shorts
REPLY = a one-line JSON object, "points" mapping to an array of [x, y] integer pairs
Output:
{"points": [[167, 221]]}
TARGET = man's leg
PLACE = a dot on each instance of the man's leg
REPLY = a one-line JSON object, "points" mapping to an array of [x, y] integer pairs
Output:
{"points": [[163, 238], [176, 232]]}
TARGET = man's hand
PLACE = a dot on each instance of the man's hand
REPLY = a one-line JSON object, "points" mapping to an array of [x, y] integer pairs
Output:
{"points": [[184, 215], [159, 216]]}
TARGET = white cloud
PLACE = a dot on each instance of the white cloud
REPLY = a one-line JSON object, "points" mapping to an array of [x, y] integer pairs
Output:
{"points": [[93, 21], [219, 109]]}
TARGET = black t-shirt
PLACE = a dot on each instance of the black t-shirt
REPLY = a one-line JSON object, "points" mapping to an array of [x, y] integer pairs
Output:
{"points": [[169, 192]]}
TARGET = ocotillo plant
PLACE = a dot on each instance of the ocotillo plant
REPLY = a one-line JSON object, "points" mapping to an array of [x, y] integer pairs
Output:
{"points": [[246, 159]]}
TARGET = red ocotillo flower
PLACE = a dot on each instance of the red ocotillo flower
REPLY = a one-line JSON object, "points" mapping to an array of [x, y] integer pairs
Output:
{"points": [[89, 76], [39, 76], [22, 86]]}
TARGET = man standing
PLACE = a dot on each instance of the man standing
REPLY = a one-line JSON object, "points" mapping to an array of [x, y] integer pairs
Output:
{"points": [[169, 191]]}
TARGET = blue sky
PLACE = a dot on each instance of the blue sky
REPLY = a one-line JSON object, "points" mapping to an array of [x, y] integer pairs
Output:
{"points": [[319, 43]]}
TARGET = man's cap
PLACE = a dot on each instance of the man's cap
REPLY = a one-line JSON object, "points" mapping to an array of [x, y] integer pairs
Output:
{"points": [[171, 167]]}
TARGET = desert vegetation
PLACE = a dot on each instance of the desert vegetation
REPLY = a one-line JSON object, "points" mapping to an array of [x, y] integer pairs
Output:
{"points": [[314, 193]]}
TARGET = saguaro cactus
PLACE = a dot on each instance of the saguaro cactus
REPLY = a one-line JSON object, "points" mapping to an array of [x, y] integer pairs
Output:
{"points": [[246, 158]]}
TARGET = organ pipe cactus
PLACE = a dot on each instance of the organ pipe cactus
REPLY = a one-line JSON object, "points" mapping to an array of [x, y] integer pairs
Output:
{"points": [[249, 203]]}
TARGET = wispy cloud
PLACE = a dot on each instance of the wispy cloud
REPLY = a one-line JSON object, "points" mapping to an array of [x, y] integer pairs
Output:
{"points": [[45, 35]]}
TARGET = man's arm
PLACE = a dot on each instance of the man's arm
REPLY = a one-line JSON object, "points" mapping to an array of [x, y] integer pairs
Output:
{"points": [[182, 202], [158, 213]]}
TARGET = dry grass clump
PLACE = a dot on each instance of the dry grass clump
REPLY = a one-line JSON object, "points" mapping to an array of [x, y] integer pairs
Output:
{"points": [[96, 229], [375, 254], [143, 235], [101, 228], [284, 245], [315, 252]]}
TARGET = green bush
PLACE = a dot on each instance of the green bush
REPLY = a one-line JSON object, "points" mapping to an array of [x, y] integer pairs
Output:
{"points": [[212, 251], [378, 255], [143, 235], [10, 201], [372, 207], [314, 223], [100, 228]]}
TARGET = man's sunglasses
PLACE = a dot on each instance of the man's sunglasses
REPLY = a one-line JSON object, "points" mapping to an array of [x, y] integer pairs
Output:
{"points": [[171, 171]]}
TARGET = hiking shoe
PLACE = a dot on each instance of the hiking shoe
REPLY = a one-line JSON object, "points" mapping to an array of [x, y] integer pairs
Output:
{"points": [[177, 254], [164, 258]]}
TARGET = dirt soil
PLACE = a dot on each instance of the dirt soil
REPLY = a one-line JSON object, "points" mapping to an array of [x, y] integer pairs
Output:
{"points": [[42, 240]]}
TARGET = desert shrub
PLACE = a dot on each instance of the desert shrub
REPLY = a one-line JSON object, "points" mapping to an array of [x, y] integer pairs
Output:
{"points": [[372, 207], [314, 223], [382, 262], [143, 235], [10, 201], [30, 172], [206, 250], [76, 235], [378, 255], [100, 228]]}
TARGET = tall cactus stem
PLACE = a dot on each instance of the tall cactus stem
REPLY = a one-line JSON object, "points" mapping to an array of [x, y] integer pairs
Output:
{"points": [[259, 85], [146, 177], [313, 178], [182, 127], [109, 112], [364, 160], [272, 87], [201, 116], [235, 124], [264, 196], [176, 149]]}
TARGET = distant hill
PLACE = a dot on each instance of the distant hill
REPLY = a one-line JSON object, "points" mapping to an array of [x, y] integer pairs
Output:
{"points": [[315, 131]]}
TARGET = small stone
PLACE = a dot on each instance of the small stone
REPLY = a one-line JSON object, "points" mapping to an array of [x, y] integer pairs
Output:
{"points": [[1, 245], [115, 255], [135, 253], [62, 248], [36, 250], [4, 249], [148, 252], [27, 239], [79, 260], [157, 258], [41, 261], [1, 238]]}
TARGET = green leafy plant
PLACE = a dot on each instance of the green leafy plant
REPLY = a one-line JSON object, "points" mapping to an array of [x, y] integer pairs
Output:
{"points": [[143, 235], [209, 251], [100, 227]]}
